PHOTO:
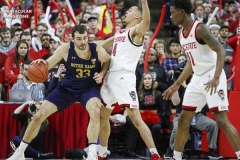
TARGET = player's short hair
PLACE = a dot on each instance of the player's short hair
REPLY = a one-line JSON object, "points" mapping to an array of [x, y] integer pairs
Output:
{"points": [[186, 5], [79, 28]]}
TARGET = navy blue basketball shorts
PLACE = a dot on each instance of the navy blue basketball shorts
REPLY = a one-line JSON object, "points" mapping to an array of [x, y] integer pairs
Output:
{"points": [[64, 96]]}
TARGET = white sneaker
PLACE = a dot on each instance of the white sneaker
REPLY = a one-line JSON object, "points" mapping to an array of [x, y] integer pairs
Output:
{"points": [[18, 154], [92, 156]]}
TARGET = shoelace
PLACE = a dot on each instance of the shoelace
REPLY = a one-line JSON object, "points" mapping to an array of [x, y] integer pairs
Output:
{"points": [[13, 146]]}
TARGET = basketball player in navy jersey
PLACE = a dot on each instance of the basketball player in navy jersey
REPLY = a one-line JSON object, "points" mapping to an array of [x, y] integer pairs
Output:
{"points": [[208, 84], [120, 82], [81, 83]]}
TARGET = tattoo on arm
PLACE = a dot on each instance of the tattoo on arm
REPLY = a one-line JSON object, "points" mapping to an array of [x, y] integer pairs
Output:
{"points": [[203, 34]]}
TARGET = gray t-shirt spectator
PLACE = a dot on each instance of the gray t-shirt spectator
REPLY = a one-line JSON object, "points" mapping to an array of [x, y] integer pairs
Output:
{"points": [[5, 49]]}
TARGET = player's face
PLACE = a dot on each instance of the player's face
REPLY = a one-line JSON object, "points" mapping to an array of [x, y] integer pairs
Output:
{"points": [[81, 40], [147, 81], [175, 15], [130, 14], [22, 49]]}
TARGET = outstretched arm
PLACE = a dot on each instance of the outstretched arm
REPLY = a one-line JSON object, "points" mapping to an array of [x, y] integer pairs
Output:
{"points": [[108, 43], [142, 27]]}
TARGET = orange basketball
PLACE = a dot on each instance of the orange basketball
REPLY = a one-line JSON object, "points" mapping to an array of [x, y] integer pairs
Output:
{"points": [[38, 72]]}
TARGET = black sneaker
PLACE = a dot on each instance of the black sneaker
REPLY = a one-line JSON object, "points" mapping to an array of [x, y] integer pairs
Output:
{"points": [[169, 153], [214, 155]]}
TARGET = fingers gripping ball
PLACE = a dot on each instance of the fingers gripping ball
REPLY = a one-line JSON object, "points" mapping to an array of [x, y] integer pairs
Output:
{"points": [[38, 72]]}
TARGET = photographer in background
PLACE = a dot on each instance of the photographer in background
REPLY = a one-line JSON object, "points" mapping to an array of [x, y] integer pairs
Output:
{"points": [[34, 149]]}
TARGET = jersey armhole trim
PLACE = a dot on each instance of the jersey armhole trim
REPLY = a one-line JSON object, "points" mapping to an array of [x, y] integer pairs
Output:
{"points": [[130, 39]]}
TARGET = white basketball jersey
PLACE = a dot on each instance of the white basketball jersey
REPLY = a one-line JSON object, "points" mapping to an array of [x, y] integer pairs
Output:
{"points": [[202, 57], [125, 53]]}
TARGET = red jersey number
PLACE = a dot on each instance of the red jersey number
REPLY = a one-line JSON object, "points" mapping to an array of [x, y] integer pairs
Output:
{"points": [[114, 51], [190, 57]]}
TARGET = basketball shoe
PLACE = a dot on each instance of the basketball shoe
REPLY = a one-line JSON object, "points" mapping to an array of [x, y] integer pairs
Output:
{"points": [[105, 157], [92, 156], [156, 157], [17, 155]]}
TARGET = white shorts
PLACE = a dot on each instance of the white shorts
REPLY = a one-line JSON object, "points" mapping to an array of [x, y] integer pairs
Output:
{"points": [[196, 96], [120, 87]]}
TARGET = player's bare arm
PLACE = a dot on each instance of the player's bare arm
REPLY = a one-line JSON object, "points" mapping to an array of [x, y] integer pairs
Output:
{"points": [[60, 53], [184, 75], [140, 29], [204, 34], [104, 58], [107, 43]]}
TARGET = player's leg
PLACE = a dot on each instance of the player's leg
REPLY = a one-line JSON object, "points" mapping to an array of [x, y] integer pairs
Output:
{"points": [[144, 131], [104, 132], [93, 107], [48, 107], [229, 130], [218, 103], [193, 99], [108, 99]]}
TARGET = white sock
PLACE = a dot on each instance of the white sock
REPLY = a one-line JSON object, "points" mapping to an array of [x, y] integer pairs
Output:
{"points": [[238, 154], [23, 145], [102, 150], [92, 148], [177, 155], [153, 150]]}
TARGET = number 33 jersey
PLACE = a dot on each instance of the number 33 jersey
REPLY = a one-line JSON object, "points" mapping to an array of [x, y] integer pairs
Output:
{"points": [[125, 53], [201, 56], [80, 72]]}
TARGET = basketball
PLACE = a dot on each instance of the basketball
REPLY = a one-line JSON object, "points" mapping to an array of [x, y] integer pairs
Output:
{"points": [[38, 72]]}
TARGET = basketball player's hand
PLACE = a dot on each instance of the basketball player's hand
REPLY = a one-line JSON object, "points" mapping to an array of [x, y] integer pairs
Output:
{"points": [[169, 92], [98, 78], [212, 85], [39, 61]]}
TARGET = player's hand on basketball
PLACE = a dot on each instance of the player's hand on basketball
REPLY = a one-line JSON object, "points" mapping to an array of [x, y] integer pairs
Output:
{"points": [[212, 85], [169, 92], [39, 61], [98, 78]]}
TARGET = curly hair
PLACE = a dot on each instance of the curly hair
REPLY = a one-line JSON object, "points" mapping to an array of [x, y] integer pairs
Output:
{"points": [[186, 5]]}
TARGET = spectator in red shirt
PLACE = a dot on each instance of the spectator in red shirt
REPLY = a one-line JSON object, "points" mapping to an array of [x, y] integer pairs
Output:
{"points": [[45, 45], [12, 64], [92, 27]]}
